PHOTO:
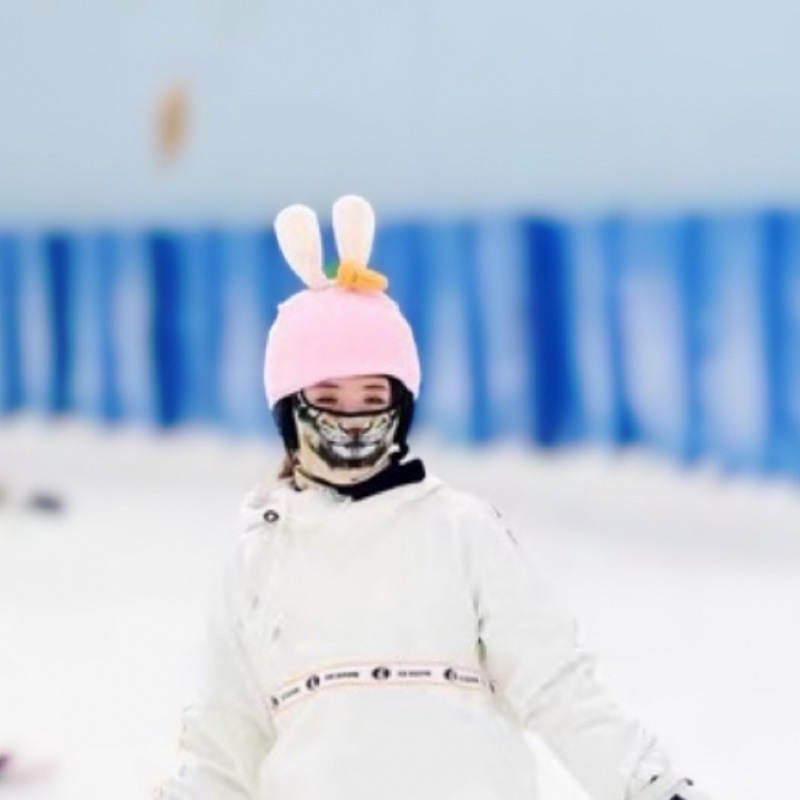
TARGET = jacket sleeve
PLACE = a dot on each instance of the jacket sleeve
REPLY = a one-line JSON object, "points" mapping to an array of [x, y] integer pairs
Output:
{"points": [[226, 730], [531, 651]]}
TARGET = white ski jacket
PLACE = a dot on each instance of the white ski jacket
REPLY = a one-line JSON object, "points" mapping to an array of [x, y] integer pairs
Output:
{"points": [[395, 648]]}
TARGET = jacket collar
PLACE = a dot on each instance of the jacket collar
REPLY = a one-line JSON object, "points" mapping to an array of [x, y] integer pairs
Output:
{"points": [[276, 499], [394, 475]]}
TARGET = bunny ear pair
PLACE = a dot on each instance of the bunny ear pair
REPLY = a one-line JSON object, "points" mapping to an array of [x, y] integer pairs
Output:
{"points": [[299, 238]]}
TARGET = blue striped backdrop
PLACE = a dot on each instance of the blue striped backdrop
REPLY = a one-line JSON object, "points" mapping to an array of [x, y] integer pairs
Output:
{"points": [[680, 333]]}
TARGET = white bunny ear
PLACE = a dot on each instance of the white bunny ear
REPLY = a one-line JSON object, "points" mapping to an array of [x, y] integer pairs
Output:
{"points": [[354, 229], [300, 242]]}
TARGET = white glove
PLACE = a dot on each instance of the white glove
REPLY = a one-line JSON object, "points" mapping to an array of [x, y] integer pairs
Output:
{"points": [[670, 787]]}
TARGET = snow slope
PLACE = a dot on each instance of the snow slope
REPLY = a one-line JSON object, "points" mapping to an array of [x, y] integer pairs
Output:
{"points": [[686, 584]]}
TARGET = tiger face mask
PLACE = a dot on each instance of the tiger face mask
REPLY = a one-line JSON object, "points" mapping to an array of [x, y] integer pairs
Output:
{"points": [[343, 448]]}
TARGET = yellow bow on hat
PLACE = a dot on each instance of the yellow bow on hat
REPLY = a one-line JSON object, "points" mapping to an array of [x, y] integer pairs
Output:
{"points": [[351, 275]]}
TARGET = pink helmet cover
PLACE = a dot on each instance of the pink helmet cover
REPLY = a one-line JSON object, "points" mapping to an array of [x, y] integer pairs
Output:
{"points": [[337, 333], [328, 331]]}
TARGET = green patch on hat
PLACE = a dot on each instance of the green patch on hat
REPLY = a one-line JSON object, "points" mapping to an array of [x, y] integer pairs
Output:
{"points": [[331, 270]]}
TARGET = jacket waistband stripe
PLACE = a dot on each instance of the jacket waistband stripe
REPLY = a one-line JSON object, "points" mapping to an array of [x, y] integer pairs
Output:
{"points": [[378, 674]]}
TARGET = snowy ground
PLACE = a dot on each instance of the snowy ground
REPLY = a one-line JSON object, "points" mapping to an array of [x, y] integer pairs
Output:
{"points": [[688, 587]]}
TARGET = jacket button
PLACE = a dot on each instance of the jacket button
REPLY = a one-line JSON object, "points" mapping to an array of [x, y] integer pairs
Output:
{"points": [[271, 515]]}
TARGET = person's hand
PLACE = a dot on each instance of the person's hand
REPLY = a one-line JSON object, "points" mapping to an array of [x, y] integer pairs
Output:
{"points": [[670, 787]]}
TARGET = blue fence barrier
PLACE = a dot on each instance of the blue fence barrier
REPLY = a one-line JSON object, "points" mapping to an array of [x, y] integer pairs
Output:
{"points": [[679, 333]]}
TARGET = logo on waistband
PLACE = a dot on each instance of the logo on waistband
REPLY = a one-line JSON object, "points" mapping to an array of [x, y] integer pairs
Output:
{"points": [[364, 675]]}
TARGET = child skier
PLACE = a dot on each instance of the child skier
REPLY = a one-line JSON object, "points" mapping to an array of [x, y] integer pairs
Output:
{"points": [[383, 636]]}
